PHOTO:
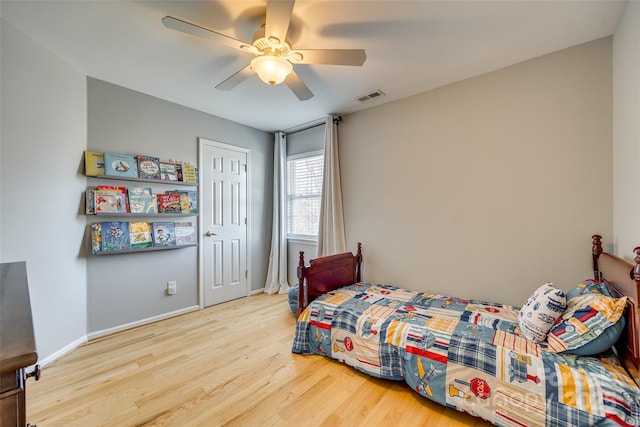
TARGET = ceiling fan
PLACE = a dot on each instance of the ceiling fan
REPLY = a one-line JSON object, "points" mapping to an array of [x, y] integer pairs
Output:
{"points": [[274, 56]]}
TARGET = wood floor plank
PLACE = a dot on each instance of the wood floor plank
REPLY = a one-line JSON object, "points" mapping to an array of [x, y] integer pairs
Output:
{"points": [[227, 365]]}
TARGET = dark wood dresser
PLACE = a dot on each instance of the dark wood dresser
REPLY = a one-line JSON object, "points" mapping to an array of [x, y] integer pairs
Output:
{"points": [[17, 343]]}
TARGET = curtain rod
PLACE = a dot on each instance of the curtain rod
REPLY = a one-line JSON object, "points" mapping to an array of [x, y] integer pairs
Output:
{"points": [[336, 120], [305, 128]]}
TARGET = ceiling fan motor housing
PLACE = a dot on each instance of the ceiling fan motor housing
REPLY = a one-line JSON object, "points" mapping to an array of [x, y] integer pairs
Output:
{"points": [[262, 45]]}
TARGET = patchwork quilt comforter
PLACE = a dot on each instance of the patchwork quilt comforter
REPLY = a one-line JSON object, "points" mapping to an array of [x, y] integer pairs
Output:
{"points": [[466, 355]]}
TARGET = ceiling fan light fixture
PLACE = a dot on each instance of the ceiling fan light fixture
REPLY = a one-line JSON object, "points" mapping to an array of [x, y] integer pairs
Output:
{"points": [[271, 69]]}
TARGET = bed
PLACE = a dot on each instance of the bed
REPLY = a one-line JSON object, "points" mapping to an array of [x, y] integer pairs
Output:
{"points": [[485, 358]]}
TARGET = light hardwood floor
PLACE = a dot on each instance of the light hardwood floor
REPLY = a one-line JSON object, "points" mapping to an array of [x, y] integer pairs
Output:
{"points": [[230, 365]]}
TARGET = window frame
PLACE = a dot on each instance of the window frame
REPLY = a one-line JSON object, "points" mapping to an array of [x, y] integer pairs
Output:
{"points": [[301, 238]]}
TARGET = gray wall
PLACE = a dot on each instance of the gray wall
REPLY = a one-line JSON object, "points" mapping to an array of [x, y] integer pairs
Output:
{"points": [[626, 131], [43, 132], [488, 187], [127, 288]]}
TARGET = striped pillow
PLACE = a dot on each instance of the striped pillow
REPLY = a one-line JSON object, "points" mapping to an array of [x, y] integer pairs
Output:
{"points": [[586, 318]]}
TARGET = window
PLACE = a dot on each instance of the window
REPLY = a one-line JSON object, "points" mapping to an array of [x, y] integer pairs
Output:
{"points": [[304, 190]]}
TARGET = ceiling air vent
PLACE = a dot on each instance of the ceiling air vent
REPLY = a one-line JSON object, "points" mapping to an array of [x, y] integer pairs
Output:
{"points": [[370, 96]]}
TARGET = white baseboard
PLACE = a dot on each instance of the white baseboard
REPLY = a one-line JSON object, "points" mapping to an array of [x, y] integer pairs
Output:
{"points": [[257, 291], [141, 322], [66, 349], [84, 339]]}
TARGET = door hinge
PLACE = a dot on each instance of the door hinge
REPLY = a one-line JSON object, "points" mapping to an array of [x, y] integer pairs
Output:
{"points": [[245, 221], [245, 168], [246, 274]]}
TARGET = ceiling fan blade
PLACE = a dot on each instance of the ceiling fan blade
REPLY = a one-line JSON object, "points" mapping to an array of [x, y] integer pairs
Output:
{"points": [[196, 30], [278, 18], [298, 87], [236, 79], [354, 57]]}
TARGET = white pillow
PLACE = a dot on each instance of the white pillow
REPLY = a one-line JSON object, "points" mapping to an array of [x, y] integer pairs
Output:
{"points": [[538, 315]]}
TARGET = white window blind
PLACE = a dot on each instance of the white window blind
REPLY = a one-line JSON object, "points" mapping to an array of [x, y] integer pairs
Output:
{"points": [[304, 190]]}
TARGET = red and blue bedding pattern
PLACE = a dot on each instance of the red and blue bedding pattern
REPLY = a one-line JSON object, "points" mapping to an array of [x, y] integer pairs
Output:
{"points": [[466, 355]]}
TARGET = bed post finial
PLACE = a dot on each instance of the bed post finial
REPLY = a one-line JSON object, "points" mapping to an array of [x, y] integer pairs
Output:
{"points": [[635, 273], [597, 244], [302, 303], [596, 250], [359, 263]]}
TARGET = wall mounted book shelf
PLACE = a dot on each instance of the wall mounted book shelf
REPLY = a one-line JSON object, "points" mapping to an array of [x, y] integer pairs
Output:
{"points": [[139, 218]]}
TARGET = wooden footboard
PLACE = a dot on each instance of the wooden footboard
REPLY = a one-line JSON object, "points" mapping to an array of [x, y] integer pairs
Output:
{"points": [[624, 277], [325, 274]]}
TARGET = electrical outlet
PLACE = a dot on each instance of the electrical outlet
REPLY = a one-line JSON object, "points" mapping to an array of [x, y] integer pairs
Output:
{"points": [[171, 287]]}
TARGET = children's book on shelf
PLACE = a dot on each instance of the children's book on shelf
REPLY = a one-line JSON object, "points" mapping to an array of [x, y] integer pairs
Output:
{"points": [[115, 236], [192, 197], [141, 200], [168, 171], [96, 237], [185, 233], [118, 190], [184, 204], [193, 201], [109, 201], [189, 173], [148, 167], [179, 171], [140, 234], [116, 164], [164, 234], [169, 203], [90, 205], [93, 163]]}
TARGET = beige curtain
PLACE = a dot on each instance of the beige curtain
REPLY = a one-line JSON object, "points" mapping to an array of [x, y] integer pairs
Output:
{"points": [[277, 270], [331, 235]]}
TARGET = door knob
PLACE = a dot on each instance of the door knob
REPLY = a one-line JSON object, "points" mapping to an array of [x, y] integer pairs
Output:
{"points": [[209, 234]]}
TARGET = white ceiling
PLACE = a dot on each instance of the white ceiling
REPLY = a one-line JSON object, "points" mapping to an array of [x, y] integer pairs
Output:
{"points": [[412, 46]]}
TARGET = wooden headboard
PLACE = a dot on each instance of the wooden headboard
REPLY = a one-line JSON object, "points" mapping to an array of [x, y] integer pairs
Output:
{"points": [[624, 278], [325, 274]]}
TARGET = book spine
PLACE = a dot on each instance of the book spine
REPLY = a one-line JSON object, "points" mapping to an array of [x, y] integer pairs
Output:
{"points": [[90, 201], [96, 238]]}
